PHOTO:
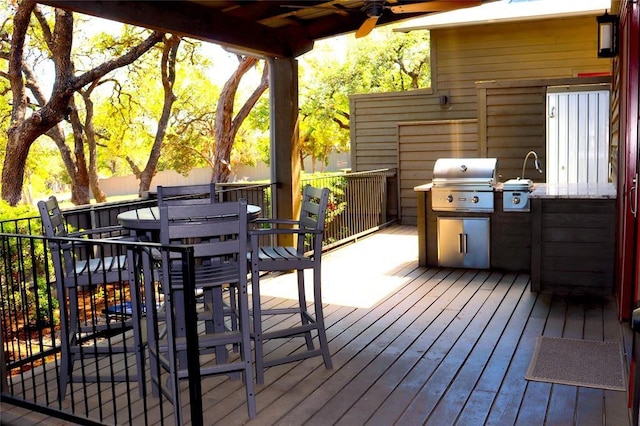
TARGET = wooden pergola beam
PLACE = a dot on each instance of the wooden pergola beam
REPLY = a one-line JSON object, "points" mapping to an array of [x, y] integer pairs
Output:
{"points": [[197, 21]]}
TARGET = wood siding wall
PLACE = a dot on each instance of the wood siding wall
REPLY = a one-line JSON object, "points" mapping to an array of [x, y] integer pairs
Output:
{"points": [[496, 74], [514, 120], [421, 143]]}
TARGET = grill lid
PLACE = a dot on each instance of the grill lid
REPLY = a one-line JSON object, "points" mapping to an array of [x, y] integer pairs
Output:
{"points": [[465, 171]]}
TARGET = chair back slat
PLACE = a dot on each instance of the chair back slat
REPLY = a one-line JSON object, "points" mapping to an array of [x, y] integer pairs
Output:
{"points": [[53, 220], [312, 215], [54, 225], [314, 207], [77, 263], [187, 194], [212, 229]]}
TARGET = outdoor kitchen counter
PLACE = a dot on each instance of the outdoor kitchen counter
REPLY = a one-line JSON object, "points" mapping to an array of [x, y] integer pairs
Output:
{"points": [[510, 233], [558, 190], [573, 238], [566, 241]]}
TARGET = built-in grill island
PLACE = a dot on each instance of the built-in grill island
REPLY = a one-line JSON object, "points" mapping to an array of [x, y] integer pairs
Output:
{"points": [[466, 220], [464, 185], [562, 234]]}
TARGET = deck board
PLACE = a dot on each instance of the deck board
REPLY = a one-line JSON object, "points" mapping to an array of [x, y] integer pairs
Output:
{"points": [[410, 345]]}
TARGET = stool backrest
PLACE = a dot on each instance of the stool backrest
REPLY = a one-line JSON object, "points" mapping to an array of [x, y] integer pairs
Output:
{"points": [[213, 229], [187, 194]]}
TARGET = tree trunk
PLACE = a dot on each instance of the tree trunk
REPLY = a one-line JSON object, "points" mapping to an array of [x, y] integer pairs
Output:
{"points": [[80, 193], [168, 67], [226, 128], [56, 134], [90, 133]]}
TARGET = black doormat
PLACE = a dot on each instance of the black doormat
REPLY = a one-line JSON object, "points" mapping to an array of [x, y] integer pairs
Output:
{"points": [[576, 362]]}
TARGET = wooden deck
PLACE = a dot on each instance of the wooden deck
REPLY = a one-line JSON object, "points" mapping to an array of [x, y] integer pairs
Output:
{"points": [[414, 345]]}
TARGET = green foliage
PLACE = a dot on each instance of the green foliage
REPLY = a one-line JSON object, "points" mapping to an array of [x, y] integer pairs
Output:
{"points": [[128, 101], [258, 121], [40, 308], [44, 173], [24, 287], [8, 212], [189, 139], [384, 61], [388, 61]]}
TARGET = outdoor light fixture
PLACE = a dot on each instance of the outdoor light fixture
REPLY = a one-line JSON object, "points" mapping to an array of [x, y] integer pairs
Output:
{"points": [[607, 35]]}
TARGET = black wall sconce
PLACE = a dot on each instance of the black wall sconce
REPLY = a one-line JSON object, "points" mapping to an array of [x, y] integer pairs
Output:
{"points": [[607, 35]]}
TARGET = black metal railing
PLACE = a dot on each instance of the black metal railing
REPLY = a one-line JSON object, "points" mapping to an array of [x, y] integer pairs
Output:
{"points": [[359, 203], [30, 304], [32, 329]]}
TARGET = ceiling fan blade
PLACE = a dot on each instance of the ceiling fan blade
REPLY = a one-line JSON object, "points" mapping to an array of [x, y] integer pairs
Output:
{"points": [[434, 6], [335, 7], [367, 26]]}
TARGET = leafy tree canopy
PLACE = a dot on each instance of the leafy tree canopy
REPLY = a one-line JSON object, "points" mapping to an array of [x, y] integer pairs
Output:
{"points": [[384, 61]]}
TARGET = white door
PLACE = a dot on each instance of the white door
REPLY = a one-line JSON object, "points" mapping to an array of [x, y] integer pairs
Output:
{"points": [[577, 136]]}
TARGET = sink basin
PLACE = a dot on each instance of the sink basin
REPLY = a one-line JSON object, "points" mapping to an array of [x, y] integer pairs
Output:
{"points": [[517, 184]]}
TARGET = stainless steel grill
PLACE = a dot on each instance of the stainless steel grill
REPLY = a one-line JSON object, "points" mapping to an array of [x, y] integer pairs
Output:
{"points": [[464, 184]]}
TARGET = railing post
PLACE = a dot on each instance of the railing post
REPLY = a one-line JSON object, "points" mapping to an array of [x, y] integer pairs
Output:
{"points": [[383, 218], [4, 384], [191, 334]]}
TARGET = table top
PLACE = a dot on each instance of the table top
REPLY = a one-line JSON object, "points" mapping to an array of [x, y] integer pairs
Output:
{"points": [[148, 218]]}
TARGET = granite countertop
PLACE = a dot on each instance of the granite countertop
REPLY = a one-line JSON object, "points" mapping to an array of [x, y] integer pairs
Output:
{"points": [[558, 190], [574, 190]]}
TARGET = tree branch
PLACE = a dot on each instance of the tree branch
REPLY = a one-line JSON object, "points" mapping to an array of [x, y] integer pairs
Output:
{"points": [[20, 24], [115, 63]]}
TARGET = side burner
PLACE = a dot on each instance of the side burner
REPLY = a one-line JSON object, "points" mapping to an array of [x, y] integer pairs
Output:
{"points": [[515, 195]]}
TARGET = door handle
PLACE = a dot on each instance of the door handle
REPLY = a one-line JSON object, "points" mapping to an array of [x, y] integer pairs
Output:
{"points": [[463, 243], [635, 320], [633, 193]]}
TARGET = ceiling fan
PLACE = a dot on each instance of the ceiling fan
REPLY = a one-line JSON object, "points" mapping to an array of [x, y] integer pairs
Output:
{"points": [[375, 9]]}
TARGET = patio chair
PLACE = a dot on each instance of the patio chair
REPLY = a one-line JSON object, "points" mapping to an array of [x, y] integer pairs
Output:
{"points": [[187, 194], [309, 227], [218, 234], [93, 320]]}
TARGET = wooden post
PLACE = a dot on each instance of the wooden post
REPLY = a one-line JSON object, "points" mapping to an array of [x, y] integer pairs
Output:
{"points": [[422, 227], [285, 149]]}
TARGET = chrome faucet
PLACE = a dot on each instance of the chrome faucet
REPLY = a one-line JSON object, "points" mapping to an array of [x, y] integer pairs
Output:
{"points": [[536, 163]]}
